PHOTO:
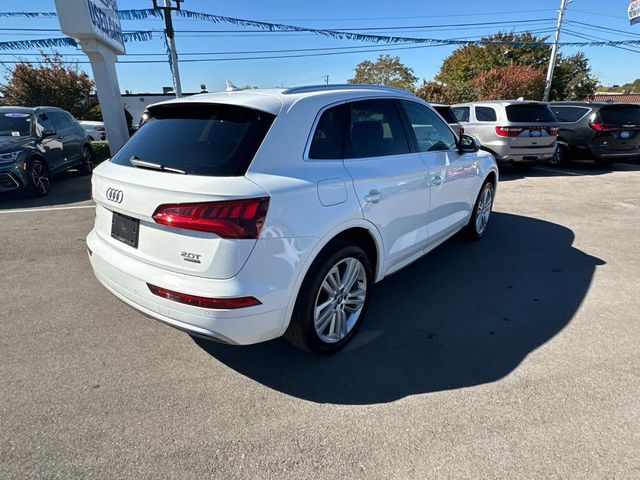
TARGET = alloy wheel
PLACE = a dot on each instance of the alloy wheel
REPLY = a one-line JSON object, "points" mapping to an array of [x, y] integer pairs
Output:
{"points": [[483, 210], [40, 178], [340, 300]]}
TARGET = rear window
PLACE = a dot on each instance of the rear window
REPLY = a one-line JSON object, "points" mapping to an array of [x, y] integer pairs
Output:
{"points": [[446, 113], [569, 114], [620, 115], [198, 139], [530, 113]]}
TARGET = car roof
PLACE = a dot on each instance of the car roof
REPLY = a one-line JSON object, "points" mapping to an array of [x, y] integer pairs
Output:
{"points": [[274, 100], [589, 104], [500, 102], [9, 108]]}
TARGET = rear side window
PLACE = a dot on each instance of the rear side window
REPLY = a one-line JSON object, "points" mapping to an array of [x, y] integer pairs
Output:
{"points": [[446, 113], [328, 137], [461, 113], [620, 115], [569, 114], [199, 139], [375, 130], [486, 114], [530, 113]]}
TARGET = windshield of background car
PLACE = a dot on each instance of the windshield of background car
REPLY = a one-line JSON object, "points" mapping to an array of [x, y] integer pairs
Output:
{"points": [[15, 124], [620, 115], [199, 139], [530, 113]]}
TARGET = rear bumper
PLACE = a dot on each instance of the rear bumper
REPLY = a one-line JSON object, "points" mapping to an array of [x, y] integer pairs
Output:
{"points": [[508, 154], [627, 153], [127, 279]]}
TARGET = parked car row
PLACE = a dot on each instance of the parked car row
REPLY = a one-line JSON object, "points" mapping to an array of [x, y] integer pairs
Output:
{"points": [[522, 133]]}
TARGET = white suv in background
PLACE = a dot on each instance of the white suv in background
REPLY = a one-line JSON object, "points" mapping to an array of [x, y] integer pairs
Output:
{"points": [[247, 215]]}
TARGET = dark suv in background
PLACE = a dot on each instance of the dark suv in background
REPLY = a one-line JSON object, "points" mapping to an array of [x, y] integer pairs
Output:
{"points": [[603, 131], [38, 142]]}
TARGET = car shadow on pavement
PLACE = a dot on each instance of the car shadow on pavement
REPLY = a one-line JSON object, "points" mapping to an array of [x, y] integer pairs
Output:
{"points": [[466, 314], [584, 168], [66, 188]]}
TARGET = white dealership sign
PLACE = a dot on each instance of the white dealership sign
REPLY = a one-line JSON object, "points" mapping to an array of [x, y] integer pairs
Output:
{"points": [[634, 12], [96, 25]]}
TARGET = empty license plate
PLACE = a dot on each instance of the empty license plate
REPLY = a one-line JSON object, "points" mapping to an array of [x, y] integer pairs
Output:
{"points": [[125, 229]]}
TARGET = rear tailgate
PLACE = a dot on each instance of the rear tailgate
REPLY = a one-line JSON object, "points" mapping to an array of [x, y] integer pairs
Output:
{"points": [[532, 126], [186, 158], [617, 129], [137, 193]]}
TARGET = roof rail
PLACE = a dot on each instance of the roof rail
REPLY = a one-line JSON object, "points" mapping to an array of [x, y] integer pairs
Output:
{"points": [[344, 86]]}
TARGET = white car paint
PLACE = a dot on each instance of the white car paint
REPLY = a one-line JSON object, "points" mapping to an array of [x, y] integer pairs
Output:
{"points": [[94, 129], [421, 199]]}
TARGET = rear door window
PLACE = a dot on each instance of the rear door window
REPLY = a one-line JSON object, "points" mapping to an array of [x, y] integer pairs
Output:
{"points": [[621, 115], [569, 114], [461, 113], [60, 120], [198, 139], [486, 114], [530, 113], [328, 137], [375, 130]]}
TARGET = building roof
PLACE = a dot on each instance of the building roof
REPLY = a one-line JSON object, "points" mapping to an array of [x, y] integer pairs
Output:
{"points": [[616, 97]]}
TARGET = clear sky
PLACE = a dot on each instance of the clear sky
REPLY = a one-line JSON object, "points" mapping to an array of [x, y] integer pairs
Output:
{"points": [[610, 65]]}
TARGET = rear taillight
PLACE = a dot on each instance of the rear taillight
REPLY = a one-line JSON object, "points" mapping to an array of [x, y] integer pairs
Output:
{"points": [[509, 131], [603, 127], [238, 219], [461, 130], [204, 302]]}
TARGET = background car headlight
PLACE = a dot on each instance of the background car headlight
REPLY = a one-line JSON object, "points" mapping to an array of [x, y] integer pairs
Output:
{"points": [[9, 157]]}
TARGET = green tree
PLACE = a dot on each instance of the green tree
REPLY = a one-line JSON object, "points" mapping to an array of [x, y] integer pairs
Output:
{"points": [[573, 78], [52, 83], [387, 70]]}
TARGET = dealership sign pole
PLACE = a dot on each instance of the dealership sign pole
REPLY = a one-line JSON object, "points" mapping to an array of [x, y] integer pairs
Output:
{"points": [[96, 25], [634, 12]]}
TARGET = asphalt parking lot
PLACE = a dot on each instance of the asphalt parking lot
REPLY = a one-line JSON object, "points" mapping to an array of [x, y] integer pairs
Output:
{"points": [[513, 357]]}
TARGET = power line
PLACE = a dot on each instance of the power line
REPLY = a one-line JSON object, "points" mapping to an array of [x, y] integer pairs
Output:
{"points": [[608, 29]]}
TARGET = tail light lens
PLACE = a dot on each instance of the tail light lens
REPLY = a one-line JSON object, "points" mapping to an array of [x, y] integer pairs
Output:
{"points": [[461, 130], [237, 219], [509, 131], [204, 302]]}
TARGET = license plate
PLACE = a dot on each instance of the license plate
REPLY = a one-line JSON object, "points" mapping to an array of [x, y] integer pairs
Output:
{"points": [[535, 133], [125, 229]]}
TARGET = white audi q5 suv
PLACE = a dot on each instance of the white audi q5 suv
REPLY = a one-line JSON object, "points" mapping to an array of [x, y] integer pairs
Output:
{"points": [[248, 215]]}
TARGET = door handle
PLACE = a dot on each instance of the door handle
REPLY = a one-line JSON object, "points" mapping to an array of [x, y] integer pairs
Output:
{"points": [[436, 180], [374, 196]]}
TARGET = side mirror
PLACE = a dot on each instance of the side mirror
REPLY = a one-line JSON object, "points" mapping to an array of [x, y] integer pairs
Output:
{"points": [[48, 133], [468, 144]]}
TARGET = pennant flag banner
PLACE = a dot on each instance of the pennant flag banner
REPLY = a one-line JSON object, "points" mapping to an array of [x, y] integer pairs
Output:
{"points": [[67, 41]]}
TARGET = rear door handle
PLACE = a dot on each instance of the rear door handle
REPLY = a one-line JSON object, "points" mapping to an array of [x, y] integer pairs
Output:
{"points": [[436, 180], [374, 196]]}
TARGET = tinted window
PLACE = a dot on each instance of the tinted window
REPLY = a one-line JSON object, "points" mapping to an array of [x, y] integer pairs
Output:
{"points": [[569, 114], [199, 139], [486, 114], [72, 120], [620, 115], [16, 124], [530, 113], [375, 130], [446, 113], [431, 132], [60, 120], [44, 123], [461, 113], [328, 137]]}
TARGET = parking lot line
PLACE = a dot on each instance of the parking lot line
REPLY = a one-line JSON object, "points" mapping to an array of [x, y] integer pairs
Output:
{"points": [[46, 209], [556, 170]]}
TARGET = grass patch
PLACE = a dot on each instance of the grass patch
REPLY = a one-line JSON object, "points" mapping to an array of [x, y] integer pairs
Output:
{"points": [[100, 152]]}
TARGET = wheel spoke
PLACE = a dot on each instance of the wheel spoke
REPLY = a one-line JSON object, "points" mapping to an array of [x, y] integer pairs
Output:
{"points": [[323, 321], [334, 279]]}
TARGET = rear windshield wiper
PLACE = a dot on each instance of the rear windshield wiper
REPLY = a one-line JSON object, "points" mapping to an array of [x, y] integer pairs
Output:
{"points": [[153, 166]]}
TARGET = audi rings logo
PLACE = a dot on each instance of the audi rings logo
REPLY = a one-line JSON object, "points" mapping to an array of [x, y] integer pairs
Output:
{"points": [[114, 195]]}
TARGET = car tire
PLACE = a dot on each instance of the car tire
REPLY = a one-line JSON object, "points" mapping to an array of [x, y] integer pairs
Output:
{"points": [[325, 318], [38, 178], [560, 157], [477, 226], [86, 166]]}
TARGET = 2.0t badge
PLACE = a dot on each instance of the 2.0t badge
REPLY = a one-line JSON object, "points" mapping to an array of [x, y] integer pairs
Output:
{"points": [[114, 195]]}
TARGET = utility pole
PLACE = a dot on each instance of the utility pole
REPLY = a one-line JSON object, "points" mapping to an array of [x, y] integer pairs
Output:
{"points": [[167, 8], [554, 50], [326, 79]]}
